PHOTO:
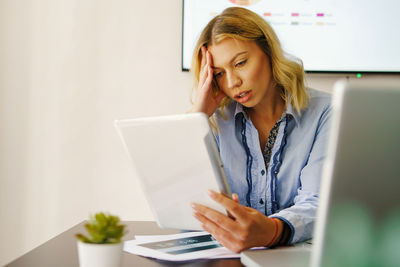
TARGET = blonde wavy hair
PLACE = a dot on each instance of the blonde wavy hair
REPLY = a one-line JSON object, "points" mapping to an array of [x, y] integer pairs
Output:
{"points": [[243, 24]]}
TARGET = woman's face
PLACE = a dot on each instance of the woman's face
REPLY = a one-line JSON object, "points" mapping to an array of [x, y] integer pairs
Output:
{"points": [[242, 71]]}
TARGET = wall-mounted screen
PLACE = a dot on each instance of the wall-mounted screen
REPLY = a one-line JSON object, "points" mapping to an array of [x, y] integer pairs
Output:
{"points": [[327, 35]]}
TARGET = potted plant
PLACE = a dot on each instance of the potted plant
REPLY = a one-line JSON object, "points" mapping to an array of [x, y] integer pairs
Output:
{"points": [[103, 247]]}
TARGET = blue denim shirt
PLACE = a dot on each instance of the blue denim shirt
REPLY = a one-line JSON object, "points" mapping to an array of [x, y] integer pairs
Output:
{"points": [[289, 188]]}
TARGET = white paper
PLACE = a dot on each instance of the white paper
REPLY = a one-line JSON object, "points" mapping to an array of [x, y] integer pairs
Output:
{"points": [[179, 247]]}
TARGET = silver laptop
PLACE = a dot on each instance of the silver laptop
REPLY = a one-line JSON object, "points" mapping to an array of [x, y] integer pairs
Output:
{"points": [[360, 197]]}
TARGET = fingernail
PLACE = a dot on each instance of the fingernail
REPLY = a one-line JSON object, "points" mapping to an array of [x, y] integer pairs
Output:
{"points": [[194, 206], [211, 193]]}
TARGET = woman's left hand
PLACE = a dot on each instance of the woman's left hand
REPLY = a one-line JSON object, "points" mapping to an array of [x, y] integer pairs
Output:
{"points": [[242, 228]]}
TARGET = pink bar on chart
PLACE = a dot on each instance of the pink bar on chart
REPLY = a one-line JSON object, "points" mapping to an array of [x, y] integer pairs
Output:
{"points": [[320, 14], [294, 14]]}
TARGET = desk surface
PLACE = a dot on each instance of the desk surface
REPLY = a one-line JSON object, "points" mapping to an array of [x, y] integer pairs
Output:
{"points": [[62, 250]]}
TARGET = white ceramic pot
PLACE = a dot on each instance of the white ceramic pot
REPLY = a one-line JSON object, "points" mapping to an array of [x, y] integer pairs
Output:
{"points": [[99, 255]]}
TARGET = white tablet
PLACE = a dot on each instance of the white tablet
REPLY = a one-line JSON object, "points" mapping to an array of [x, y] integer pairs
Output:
{"points": [[177, 160]]}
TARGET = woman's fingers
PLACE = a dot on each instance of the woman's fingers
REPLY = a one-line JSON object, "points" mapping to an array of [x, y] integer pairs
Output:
{"points": [[228, 232], [203, 76], [235, 197], [209, 58], [203, 57], [223, 236], [206, 215], [205, 67], [244, 229], [207, 83], [234, 208], [204, 100]]}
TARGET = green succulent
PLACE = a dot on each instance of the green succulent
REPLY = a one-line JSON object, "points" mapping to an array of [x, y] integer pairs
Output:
{"points": [[103, 229]]}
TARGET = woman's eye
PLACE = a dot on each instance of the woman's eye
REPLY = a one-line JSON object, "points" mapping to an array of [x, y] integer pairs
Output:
{"points": [[240, 63], [218, 74]]}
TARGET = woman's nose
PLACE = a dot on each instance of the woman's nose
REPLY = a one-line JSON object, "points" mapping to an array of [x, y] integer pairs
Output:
{"points": [[233, 80]]}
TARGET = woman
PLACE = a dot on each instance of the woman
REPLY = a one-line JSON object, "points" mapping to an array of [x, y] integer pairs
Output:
{"points": [[271, 133]]}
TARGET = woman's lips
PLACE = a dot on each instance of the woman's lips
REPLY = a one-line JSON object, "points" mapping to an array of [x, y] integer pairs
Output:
{"points": [[243, 97]]}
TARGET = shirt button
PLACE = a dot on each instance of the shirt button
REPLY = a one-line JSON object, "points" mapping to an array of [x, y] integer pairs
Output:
{"points": [[261, 201], [262, 172]]}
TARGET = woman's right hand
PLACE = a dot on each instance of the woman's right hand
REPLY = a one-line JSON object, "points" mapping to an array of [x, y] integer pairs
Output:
{"points": [[204, 100]]}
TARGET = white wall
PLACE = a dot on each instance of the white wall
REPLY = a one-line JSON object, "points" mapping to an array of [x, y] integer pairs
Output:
{"points": [[67, 70]]}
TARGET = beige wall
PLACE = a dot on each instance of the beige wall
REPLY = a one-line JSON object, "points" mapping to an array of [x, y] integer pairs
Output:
{"points": [[67, 70]]}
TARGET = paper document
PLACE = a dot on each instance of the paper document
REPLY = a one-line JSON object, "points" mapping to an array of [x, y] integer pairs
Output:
{"points": [[179, 247]]}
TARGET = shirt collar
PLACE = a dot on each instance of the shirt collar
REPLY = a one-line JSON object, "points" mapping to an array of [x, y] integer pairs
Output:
{"points": [[290, 111], [239, 109]]}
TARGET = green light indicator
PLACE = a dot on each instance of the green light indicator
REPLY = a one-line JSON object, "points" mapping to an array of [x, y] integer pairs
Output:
{"points": [[359, 75]]}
